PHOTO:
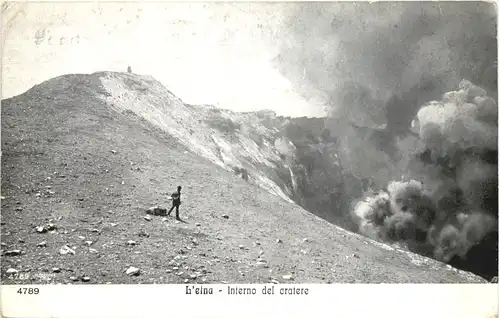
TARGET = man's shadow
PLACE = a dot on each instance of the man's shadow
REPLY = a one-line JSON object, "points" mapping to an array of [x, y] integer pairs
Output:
{"points": [[177, 219], [163, 212]]}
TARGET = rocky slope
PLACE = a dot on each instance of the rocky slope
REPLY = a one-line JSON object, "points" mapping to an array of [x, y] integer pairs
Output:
{"points": [[297, 159], [83, 157]]}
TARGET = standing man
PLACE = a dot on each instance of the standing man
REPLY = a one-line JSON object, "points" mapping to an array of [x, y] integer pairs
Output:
{"points": [[176, 201]]}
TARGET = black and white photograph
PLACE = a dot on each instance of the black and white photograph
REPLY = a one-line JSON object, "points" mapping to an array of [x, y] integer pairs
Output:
{"points": [[277, 143]]}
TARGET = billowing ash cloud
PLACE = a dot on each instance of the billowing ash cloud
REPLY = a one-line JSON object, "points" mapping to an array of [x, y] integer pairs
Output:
{"points": [[385, 67], [452, 205]]}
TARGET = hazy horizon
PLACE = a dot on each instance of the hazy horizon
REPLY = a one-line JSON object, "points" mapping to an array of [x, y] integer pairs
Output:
{"points": [[218, 53]]}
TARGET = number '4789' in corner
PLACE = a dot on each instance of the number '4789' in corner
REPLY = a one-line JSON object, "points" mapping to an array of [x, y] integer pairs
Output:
{"points": [[28, 291]]}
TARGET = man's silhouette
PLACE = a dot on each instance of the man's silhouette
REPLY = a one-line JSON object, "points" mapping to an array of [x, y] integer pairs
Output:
{"points": [[176, 201]]}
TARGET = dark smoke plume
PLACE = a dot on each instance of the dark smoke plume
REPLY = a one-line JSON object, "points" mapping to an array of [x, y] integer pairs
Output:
{"points": [[395, 71]]}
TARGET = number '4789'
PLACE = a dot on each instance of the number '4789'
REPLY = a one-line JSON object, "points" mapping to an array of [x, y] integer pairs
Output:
{"points": [[28, 291]]}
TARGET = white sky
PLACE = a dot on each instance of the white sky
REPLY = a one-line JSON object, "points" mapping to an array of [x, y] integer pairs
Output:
{"points": [[204, 53]]}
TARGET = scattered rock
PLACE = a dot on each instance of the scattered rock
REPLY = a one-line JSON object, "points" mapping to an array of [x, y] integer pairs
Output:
{"points": [[48, 227], [305, 240], [19, 209], [193, 276], [198, 224], [93, 250], [355, 255], [194, 241], [175, 268], [168, 271], [186, 281], [3, 244], [132, 243], [147, 218], [41, 229], [180, 273], [225, 216], [156, 210], [133, 271], [12, 271], [164, 219], [56, 270], [81, 237], [241, 247], [181, 251], [85, 279], [279, 241], [113, 151], [73, 278], [287, 277], [261, 252], [262, 263], [142, 233], [274, 281], [13, 253], [88, 243], [113, 224], [94, 230], [66, 250]]}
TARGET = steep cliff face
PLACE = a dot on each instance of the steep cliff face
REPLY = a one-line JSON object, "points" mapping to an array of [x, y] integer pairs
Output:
{"points": [[298, 159]]}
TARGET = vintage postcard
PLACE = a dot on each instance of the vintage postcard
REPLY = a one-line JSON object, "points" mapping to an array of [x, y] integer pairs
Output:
{"points": [[165, 158]]}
